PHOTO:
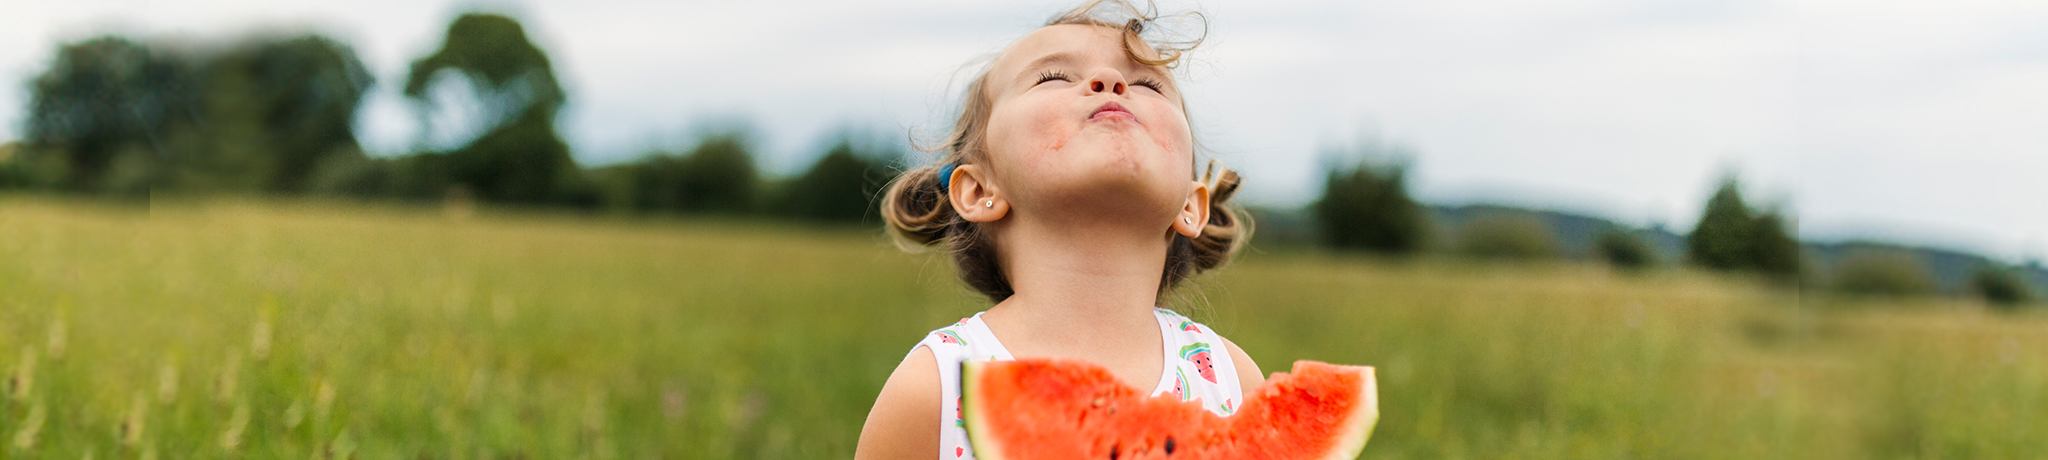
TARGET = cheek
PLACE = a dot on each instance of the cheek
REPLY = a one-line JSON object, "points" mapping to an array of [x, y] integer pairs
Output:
{"points": [[1024, 129], [1051, 134], [1170, 131]]}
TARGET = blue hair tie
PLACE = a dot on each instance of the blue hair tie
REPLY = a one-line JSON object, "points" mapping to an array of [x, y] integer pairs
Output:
{"points": [[946, 176]]}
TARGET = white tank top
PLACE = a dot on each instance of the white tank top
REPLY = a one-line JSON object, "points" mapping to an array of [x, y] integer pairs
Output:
{"points": [[1197, 367]]}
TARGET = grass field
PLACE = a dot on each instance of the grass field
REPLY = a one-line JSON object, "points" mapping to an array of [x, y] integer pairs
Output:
{"points": [[296, 330]]}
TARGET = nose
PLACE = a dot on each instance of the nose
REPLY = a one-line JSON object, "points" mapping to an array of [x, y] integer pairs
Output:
{"points": [[1107, 80]]}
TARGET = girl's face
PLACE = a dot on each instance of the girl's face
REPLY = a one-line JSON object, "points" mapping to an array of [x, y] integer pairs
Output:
{"points": [[1076, 126]]}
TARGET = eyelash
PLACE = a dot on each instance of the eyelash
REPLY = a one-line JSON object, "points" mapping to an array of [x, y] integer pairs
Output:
{"points": [[1051, 75]]}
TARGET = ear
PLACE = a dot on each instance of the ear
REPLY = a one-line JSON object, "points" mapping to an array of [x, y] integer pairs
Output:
{"points": [[1194, 213], [974, 197]]}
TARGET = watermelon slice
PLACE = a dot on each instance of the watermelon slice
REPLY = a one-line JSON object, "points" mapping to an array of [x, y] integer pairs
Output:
{"points": [[1058, 409]]}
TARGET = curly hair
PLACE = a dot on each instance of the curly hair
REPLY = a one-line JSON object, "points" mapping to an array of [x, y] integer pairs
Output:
{"points": [[918, 215]]}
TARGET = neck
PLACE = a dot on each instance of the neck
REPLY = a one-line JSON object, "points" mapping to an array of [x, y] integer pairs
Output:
{"points": [[1081, 282]]}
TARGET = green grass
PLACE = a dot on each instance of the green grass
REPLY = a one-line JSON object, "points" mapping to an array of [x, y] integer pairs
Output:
{"points": [[282, 329]]}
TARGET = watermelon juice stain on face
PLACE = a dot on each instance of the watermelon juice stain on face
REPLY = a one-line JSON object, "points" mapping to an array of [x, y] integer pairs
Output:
{"points": [[1074, 121]]}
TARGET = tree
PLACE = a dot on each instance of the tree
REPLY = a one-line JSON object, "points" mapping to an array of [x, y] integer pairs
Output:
{"points": [[14, 174], [108, 103], [518, 157], [1773, 250], [308, 89], [1624, 249], [275, 108], [842, 186], [1722, 240], [1366, 207], [716, 177], [2002, 287], [719, 176], [1731, 236]]}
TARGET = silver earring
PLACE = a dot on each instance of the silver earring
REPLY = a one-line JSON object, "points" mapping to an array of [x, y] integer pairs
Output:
{"points": [[1188, 220], [991, 204]]}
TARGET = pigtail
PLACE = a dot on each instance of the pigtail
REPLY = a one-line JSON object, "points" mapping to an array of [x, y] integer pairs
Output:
{"points": [[916, 210], [919, 216], [1228, 228]]}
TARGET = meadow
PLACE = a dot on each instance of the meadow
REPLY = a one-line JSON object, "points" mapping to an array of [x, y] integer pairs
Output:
{"points": [[287, 329]]}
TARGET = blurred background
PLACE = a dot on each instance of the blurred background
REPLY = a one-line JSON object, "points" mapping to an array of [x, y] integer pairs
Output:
{"points": [[1562, 229]]}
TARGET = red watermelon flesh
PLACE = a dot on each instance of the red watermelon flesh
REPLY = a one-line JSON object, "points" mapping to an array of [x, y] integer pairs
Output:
{"points": [[1061, 409]]}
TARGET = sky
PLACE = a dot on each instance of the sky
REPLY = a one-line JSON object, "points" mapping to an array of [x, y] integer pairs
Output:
{"points": [[1918, 122]]}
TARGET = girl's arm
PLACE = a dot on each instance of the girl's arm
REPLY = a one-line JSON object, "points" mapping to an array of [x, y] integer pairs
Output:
{"points": [[905, 420]]}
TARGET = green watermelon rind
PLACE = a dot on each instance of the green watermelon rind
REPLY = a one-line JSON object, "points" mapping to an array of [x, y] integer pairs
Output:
{"points": [[1348, 447], [986, 446], [971, 413]]}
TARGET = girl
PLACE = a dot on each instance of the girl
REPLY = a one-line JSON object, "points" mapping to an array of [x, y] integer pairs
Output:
{"points": [[1067, 194]]}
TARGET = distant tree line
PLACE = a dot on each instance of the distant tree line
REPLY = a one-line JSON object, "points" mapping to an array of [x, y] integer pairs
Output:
{"points": [[1365, 207], [116, 117], [121, 118]]}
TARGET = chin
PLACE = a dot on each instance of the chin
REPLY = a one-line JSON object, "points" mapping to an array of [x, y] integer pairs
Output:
{"points": [[1119, 150], [1116, 173], [1132, 194]]}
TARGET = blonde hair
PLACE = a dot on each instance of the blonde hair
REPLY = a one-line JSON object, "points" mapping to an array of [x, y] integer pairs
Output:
{"points": [[918, 215]]}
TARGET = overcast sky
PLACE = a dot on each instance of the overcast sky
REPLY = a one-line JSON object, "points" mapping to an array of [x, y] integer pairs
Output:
{"points": [[1923, 122]]}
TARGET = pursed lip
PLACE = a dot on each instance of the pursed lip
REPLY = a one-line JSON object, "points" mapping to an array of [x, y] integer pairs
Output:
{"points": [[1111, 109]]}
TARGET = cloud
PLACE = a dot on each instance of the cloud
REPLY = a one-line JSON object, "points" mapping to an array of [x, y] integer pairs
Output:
{"points": [[1910, 119]]}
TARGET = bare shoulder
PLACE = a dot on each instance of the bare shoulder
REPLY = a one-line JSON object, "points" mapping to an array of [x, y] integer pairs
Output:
{"points": [[905, 420], [1248, 374]]}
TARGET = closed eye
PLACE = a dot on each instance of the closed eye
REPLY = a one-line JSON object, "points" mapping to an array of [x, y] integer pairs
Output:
{"points": [[1156, 86], [1051, 75]]}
